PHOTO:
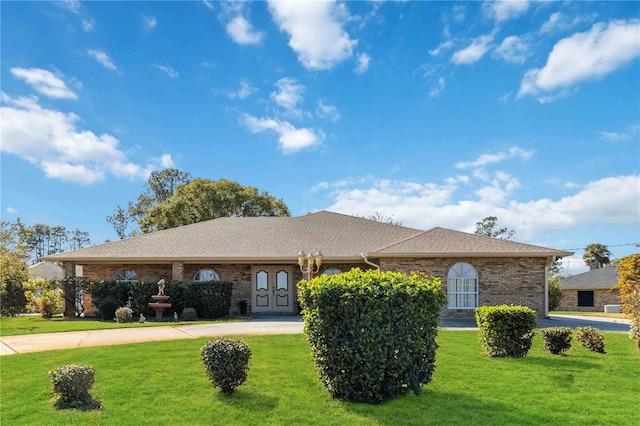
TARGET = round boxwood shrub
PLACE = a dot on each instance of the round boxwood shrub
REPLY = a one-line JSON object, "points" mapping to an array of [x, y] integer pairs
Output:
{"points": [[505, 330], [557, 340], [373, 334], [590, 338], [226, 361], [124, 314], [71, 386]]}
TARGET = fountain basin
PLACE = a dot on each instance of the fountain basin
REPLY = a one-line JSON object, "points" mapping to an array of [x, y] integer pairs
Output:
{"points": [[160, 298], [159, 305]]}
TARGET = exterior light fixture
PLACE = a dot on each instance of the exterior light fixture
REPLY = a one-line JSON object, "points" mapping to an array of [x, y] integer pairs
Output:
{"points": [[309, 264]]}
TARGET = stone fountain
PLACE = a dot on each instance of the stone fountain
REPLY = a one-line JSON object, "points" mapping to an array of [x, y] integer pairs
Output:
{"points": [[159, 303]]}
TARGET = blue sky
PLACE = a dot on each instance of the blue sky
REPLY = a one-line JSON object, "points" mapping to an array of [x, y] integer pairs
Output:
{"points": [[432, 113]]}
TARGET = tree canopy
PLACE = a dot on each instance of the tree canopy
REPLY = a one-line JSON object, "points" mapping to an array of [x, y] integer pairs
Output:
{"points": [[596, 255], [489, 227], [204, 199]]}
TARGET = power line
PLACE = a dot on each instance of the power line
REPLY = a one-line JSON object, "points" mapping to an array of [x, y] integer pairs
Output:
{"points": [[617, 245]]}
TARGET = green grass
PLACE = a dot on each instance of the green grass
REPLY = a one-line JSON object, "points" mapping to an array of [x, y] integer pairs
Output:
{"points": [[163, 383], [35, 324], [589, 314]]}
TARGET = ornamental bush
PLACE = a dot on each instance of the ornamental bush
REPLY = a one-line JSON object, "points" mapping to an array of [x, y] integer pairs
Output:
{"points": [[557, 340], [189, 314], [591, 339], [373, 334], [44, 297], [629, 285], [124, 314], [226, 361], [505, 330], [71, 386]]}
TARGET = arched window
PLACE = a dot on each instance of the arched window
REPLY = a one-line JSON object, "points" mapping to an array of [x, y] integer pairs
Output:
{"points": [[207, 275], [462, 287], [332, 271], [125, 275]]}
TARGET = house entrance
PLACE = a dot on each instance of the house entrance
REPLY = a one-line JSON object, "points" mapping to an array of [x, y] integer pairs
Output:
{"points": [[272, 290]]}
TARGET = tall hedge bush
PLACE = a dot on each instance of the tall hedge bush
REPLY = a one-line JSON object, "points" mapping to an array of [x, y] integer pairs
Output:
{"points": [[629, 285], [373, 334], [108, 296], [505, 330]]}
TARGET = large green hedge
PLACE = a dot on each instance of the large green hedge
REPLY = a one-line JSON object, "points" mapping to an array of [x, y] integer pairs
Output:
{"points": [[505, 330], [211, 299], [372, 333]]}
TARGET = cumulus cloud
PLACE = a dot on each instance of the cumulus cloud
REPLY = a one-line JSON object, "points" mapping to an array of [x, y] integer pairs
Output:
{"points": [[487, 159], [242, 32], [625, 135], [11, 210], [584, 56], [315, 31], [44, 82], [102, 58], [504, 10], [474, 52], [51, 140], [290, 138], [149, 23], [363, 63], [168, 70], [513, 49], [244, 91], [288, 95], [327, 111]]}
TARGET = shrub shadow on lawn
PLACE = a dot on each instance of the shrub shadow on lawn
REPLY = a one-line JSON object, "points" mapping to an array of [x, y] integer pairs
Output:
{"points": [[249, 401], [410, 409]]}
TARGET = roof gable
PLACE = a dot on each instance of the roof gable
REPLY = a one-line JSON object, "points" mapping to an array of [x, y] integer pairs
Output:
{"points": [[601, 278]]}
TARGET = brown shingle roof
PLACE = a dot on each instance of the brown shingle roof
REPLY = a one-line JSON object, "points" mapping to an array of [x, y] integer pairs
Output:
{"points": [[274, 239]]}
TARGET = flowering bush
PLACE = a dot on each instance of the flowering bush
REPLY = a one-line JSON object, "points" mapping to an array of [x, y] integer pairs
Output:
{"points": [[44, 297], [71, 385], [629, 285], [124, 314], [591, 339]]}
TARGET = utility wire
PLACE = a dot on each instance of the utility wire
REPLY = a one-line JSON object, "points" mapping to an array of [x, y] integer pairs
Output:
{"points": [[617, 245]]}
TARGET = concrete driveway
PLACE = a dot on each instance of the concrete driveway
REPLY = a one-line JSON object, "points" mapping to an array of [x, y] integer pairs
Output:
{"points": [[258, 325]]}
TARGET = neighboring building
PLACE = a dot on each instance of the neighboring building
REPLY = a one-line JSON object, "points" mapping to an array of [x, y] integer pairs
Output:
{"points": [[590, 291], [260, 256], [46, 270]]}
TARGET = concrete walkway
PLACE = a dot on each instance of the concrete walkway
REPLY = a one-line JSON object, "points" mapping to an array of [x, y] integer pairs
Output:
{"points": [[258, 325]]}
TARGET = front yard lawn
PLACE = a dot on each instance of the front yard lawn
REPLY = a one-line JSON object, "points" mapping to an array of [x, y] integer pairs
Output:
{"points": [[164, 383]]}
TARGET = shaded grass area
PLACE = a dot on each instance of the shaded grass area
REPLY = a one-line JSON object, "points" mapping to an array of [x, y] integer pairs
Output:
{"points": [[35, 324], [164, 383], [589, 314]]}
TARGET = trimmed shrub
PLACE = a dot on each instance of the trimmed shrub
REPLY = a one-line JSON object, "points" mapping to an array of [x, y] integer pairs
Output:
{"points": [[591, 339], [372, 333], [189, 314], [124, 314], [226, 361], [505, 330], [71, 386], [12, 296], [557, 340], [211, 299], [108, 296]]}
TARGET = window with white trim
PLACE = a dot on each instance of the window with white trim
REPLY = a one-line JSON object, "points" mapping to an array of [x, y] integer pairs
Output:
{"points": [[206, 275], [125, 275], [332, 271], [462, 287]]}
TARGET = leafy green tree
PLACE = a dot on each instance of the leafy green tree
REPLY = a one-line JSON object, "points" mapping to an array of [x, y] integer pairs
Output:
{"points": [[78, 239], [13, 268], [204, 199], [596, 255], [628, 269], [383, 218], [489, 227], [555, 291], [120, 220], [44, 297]]}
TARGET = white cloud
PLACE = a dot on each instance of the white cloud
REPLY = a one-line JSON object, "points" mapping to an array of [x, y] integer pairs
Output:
{"points": [[315, 31], [327, 111], [88, 25], [168, 70], [437, 88], [445, 45], [558, 21], [625, 135], [51, 140], [149, 23], [585, 56], [11, 210], [486, 159], [513, 49], [244, 91], [363, 63], [289, 94], [241, 31], [102, 58], [44, 82], [504, 10], [291, 139], [208, 4], [474, 52], [72, 6]]}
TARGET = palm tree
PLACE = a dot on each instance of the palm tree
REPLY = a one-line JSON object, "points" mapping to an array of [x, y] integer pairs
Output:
{"points": [[596, 255]]}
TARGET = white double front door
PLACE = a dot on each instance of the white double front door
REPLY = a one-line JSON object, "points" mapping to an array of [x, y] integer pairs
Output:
{"points": [[272, 290]]}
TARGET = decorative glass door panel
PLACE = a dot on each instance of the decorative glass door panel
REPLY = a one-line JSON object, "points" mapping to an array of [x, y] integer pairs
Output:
{"points": [[271, 289]]}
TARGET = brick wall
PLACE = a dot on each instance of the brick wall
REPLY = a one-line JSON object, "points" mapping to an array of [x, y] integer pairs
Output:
{"points": [[514, 281], [601, 297]]}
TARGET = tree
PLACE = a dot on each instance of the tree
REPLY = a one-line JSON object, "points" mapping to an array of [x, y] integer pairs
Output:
{"points": [[120, 221], [383, 218], [555, 291], [596, 255], [204, 199], [628, 269], [487, 226], [13, 268], [78, 239], [43, 296], [160, 185]]}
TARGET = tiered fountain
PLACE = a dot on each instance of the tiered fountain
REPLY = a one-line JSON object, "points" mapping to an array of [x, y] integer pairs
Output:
{"points": [[159, 303]]}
